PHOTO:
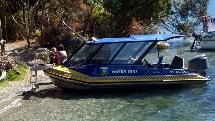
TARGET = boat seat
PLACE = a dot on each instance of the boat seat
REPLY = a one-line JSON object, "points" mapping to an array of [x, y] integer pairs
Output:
{"points": [[177, 63]]}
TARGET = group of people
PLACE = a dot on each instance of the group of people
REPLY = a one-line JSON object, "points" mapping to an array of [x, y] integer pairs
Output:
{"points": [[58, 55]]}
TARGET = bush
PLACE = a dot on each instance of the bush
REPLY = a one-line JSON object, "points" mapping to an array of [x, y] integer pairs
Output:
{"points": [[13, 76]]}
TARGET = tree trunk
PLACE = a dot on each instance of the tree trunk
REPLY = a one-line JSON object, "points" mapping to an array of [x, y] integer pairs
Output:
{"points": [[0, 30], [5, 22], [28, 25], [41, 28]]}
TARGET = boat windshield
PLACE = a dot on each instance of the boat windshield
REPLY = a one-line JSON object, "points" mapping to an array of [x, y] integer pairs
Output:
{"points": [[111, 53], [83, 53]]}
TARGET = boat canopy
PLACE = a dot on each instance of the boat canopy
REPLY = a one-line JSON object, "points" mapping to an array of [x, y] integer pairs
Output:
{"points": [[137, 38], [129, 50]]}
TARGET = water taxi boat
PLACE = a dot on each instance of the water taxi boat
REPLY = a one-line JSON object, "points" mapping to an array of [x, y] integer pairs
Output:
{"points": [[123, 62]]}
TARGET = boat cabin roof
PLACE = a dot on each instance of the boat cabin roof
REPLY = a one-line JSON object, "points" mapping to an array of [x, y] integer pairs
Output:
{"points": [[137, 38], [130, 50]]}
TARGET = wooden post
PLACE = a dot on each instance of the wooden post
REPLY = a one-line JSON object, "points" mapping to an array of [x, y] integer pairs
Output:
{"points": [[2, 42], [1, 54]]}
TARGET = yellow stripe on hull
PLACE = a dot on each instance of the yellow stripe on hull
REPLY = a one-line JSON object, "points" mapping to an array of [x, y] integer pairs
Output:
{"points": [[67, 73]]}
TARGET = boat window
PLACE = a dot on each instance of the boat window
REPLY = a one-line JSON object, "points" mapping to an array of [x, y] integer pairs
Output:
{"points": [[112, 53], [84, 53], [153, 55], [131, 52], [104, 54], [115, 48]]}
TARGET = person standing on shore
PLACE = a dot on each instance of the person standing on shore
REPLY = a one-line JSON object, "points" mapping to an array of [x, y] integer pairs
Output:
{"points": [[62, 52]]}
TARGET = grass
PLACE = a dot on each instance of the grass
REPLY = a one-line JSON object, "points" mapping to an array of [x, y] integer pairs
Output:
{"points": [[12, 76]]}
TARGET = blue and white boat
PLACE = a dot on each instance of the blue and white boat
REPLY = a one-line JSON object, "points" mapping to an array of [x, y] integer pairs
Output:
{"points": [[207, 40], [204, 41], [123, 62]]}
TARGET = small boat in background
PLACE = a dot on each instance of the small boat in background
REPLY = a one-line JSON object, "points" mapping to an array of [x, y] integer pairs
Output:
{"points": [[205, 40]]}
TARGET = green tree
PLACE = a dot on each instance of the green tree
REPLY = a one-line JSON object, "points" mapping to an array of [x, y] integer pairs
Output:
{"points": [[185, 15], [22, 13], [145, 11], [52, 15], [100, 18]]}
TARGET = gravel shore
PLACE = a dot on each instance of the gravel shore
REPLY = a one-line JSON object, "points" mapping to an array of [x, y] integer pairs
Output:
{"points": [[20, 52]]}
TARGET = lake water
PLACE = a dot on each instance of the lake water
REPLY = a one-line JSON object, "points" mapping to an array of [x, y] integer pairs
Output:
{"points": [[193, 103]]}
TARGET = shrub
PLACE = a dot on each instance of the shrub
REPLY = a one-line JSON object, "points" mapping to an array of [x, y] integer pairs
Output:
{"points": [[13, 76]]}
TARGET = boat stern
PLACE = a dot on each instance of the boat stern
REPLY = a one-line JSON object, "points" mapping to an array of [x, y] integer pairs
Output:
{"points": [[199, 64]]}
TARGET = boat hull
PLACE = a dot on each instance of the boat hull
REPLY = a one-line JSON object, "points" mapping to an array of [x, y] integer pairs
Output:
{"points": [[124, 82], [207, 44]]}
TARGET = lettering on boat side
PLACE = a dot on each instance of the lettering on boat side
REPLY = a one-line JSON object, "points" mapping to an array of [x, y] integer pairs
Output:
{"points": [[178, 72], [156, 72], [124, 71]]}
